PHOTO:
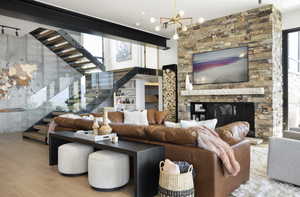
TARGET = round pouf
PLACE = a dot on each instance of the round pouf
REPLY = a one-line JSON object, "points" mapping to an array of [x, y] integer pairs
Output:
{"points": [[73, 158], [108, 170]]}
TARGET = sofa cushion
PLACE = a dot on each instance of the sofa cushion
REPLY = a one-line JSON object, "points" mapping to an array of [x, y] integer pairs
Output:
{"points": [[151, 116], [160, 117], [116, 117], [65, 122], [234, 133], [82, 124], [171, 135], [129, 130]]}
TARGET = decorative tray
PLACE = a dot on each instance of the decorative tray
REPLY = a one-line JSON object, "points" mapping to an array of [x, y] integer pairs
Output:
{"points": [[88, 135]]}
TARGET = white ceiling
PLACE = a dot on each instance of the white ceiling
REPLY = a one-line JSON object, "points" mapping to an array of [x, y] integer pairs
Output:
{"points": [[129, 12]]}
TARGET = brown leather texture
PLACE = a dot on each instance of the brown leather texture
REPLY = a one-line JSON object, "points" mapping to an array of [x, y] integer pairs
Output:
{"points": [[160, 117], [58, 128], [65, 122], [151, 116], [82, 124], [210, 180], [171, 135], [116, 117], [234, 133], [129, 130]]}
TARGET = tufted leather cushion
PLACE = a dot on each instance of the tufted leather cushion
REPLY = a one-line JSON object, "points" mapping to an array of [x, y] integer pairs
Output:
{"points": [[82, 124], [171, 135], [116, 117], [65, 122], [234, 133], [128, 130], [151, 116]]}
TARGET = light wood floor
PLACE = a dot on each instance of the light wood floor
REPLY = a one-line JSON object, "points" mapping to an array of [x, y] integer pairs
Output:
{"points": [[24, 172]]}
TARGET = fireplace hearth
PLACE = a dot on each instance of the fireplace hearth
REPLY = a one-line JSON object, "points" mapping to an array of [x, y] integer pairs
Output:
{"points": [[225, 112]]}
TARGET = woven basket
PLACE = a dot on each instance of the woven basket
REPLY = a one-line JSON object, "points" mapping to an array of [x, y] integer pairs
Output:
{"points": [[181, 185]]}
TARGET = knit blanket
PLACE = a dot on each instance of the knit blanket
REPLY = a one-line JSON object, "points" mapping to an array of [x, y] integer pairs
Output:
{"points": [[210, 140]]}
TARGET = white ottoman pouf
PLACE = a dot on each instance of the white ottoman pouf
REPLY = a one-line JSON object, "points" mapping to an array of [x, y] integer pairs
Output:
{"points": [[108, 170], [73, 158]]}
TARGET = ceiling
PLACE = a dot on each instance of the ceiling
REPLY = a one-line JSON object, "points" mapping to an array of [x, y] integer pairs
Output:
{"points": [[130, 12]]}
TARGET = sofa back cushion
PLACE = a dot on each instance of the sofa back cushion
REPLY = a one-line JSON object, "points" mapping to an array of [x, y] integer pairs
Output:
{"points": [[234, 133], [160, 117], [151, 116], [171, 135], [116, 117], [82, 124], [65, 122], [128, 130]]}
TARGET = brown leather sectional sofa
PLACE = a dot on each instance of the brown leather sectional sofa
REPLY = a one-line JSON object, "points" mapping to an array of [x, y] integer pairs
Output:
{"points": [[180, 145]]}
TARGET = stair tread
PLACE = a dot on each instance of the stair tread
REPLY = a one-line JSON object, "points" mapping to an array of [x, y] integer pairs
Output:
{"points": [[54, 41], [58, 113], [73, 59], [41, 127], [47, 120], [35, 135], [80, 64], [68, 53], [62, 47], [49, 34]]}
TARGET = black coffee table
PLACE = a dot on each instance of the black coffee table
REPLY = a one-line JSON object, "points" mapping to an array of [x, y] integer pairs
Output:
{"points": [[145, 157]]}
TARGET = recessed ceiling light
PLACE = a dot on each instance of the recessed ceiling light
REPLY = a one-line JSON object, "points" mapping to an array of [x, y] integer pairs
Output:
{"points": [[152, 20], [143, 13], [157, 28], [181, 13], [137, 24]]}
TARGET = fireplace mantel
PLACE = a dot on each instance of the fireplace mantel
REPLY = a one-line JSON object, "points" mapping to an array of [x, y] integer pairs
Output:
{"points": [[214, 92]]}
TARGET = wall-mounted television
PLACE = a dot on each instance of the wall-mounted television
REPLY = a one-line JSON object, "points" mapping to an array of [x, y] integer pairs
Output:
{"points": [[222, 66]]}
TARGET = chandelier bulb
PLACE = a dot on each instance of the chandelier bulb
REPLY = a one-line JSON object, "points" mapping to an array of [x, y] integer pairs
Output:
{"points": [[176, 36], [184, 28], [201, 20], [181, 13]]}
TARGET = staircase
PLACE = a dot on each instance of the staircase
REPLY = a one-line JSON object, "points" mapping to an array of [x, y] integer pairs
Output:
{"points": [[70, 51]]}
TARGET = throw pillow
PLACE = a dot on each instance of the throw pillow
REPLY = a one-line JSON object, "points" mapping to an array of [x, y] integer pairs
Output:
{"points": [[211, 124], [172, 124], [234, 133], [170, 167], [137, 118], [160, 117], [151, 116]]}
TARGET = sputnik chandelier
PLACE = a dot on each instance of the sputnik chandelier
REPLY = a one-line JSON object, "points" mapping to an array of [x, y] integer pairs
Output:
{"points": [[177, 21]]}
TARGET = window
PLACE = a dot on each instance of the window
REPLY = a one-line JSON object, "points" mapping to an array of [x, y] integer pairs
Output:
{"points": [[293, 52], [94, 44]]}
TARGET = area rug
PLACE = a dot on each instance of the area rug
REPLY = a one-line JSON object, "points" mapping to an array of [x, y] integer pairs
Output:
{"points": [[259, 184]]}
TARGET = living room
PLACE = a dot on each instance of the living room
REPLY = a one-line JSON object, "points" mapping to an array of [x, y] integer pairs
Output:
{"points": [[192, 99]]}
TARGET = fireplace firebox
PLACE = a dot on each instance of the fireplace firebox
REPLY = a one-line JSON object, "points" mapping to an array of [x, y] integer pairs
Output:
{"points": [[225, 112]]}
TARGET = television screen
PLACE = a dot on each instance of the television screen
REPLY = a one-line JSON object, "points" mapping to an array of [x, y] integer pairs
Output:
{"points": [[223, 66]]}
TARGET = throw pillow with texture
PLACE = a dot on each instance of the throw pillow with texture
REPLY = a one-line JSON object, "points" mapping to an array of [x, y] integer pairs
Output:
{"points": [[211, 124], [151, 116], [116, 117], [172, 124], [136, 118]]}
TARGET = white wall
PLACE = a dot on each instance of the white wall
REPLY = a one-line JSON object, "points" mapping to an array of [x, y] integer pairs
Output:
{"points": [[169, 56], [291, 19]]}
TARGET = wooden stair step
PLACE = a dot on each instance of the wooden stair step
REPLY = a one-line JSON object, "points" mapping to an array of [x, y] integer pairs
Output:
{"points": [[73, 59], [38, 31], [43, 132], [35, 136], [41, 127], [68, 53], [47, 120], [61, 47], [47, 35], [55, 41], [80, 63], [58, 113]]}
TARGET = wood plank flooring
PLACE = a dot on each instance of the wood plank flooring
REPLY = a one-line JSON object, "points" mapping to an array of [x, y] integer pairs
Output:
{"points": [[24, 172]]}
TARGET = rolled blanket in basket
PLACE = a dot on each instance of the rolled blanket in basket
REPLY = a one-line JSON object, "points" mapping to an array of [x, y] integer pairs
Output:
{"points": [[210, 140]]}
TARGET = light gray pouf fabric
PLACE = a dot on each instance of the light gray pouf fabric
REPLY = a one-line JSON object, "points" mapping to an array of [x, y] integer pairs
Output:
{"points": [[73, 158], [108, 170]]}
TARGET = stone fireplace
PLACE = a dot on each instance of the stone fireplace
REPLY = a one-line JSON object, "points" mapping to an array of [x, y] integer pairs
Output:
{"points": [[225, 112], [260, 30]]}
